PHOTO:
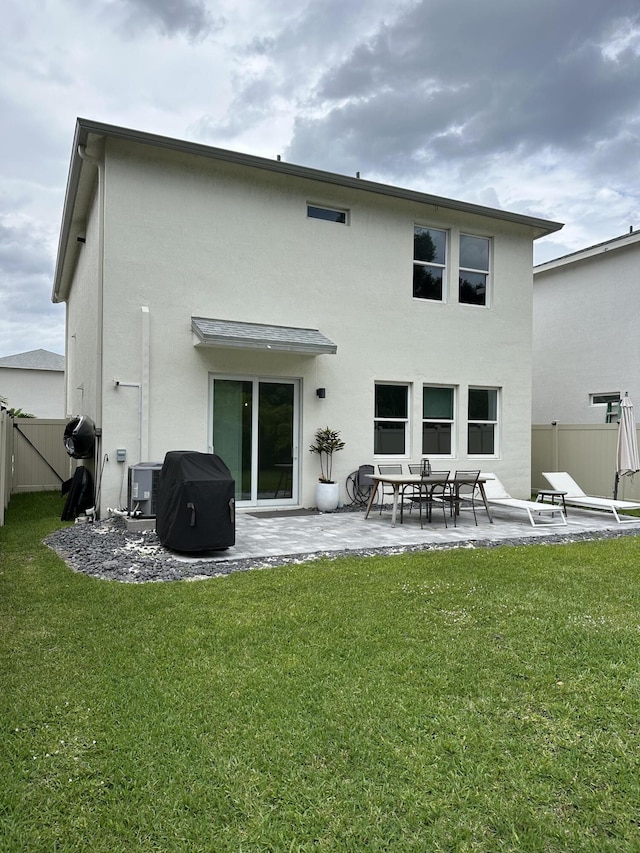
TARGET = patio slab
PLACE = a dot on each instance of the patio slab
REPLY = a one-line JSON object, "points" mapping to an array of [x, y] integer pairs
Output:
{"points": [[291, 535], [109, 551]]}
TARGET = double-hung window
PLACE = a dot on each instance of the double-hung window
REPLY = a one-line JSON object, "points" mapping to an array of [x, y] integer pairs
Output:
{"points": [[482, 427], [429, 263], [437, 420], [473, 270], [391, 420]]}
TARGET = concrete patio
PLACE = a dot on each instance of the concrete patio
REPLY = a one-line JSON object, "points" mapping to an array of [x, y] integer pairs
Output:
{"points": [[299, 533]]}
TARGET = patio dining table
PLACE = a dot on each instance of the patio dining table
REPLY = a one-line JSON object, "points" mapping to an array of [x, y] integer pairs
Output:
{"points": [[398, 481]]}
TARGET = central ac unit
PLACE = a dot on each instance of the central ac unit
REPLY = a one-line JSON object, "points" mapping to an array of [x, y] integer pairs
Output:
{"points": [[142, 492]]}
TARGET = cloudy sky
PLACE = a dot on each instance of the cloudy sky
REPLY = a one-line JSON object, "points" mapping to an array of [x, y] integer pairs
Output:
{"points": [[528, 106]]}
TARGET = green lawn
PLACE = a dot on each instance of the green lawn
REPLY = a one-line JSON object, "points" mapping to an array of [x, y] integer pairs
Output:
{"points": [[470, 700]]}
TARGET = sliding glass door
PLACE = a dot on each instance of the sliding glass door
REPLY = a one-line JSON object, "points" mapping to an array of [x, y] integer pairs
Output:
{"points": [[254, 429]]}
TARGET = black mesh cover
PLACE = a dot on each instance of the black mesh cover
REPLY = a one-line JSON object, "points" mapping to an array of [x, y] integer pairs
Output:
{"points": [[195, 508]]}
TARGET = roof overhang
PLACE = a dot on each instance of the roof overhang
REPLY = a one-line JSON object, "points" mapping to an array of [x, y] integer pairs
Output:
{"points": [[231, 333], [626, 241]]}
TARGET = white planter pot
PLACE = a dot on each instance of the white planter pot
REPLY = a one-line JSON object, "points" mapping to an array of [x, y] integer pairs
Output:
{"points": [[327, 496]]}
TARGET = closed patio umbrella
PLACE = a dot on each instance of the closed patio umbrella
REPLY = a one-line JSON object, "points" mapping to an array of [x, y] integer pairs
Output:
{"points": [[627, 457]]}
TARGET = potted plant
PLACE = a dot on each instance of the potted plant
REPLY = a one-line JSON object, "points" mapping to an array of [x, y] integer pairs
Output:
{"points": [[326, 442]]}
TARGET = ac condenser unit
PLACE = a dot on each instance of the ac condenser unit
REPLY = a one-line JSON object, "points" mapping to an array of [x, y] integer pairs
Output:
{"points": [[142, 492]]}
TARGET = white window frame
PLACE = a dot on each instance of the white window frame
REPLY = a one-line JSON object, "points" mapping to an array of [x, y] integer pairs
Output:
{"points": [[406, 420], [453, 421], [444, 267], [486, 272], [496, 423]]}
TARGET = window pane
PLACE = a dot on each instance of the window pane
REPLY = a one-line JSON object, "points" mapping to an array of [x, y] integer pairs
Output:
{"points": [[437, 403], [391, 401], [483, 404], [427, 282], [429, 244], [481, 438], [326, 213], [388, 438], [436, 438], [275, 433], [474, 252], [232, 419], [605, 398], [473, 288]]}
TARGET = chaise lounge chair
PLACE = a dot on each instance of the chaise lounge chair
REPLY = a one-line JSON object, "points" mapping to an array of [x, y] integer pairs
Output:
{"points": [[563, 482], [498, 496]]}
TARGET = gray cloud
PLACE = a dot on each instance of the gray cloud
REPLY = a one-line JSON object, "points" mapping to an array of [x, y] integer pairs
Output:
{"points": [[529, 106], [190, 18], [28, 319], [284, 63], [447, 83]]}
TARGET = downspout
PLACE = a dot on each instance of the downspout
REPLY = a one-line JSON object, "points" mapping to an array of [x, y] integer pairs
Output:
{"points": [[99, 164]]}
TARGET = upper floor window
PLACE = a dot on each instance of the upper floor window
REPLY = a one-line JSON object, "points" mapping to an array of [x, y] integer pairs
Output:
{"points": [[330, 214], [482, 427], [391, 420], [474, 270], [429, 262], [437, 420]]}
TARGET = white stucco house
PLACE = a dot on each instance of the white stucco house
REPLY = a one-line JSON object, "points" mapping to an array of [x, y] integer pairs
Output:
{"points": [[586, 333], [33, 381], [223, 302]]}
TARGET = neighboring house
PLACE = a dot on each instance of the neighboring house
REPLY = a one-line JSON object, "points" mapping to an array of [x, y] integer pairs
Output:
{"points": [[223, 302], [34, 382], [586, 333]]}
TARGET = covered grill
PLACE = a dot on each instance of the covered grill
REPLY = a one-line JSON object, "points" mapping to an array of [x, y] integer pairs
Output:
{"points": [[195, 508]]}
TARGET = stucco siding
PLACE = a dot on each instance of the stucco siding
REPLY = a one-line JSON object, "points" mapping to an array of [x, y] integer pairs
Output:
{"points": [[83, 318], [36, 392], [186, 236], [586, 335]]}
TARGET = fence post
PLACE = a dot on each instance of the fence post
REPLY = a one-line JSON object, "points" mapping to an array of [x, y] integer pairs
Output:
{"points": [[554, 445], [6, 461]]}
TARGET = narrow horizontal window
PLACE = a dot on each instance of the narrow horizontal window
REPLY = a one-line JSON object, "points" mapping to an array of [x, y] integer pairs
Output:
{"points": [[327, 213], [612, 404], [604, 399]]}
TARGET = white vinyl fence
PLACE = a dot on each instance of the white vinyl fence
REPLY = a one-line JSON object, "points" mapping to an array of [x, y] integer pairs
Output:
{"points": [[587, 452], [33, 457], [6, 460]]}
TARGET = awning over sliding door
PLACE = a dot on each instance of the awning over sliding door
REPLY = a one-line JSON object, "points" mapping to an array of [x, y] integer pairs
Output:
{"points": [[230, 333]]}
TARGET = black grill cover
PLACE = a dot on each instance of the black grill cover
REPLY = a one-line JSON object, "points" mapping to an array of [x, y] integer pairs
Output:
{"points": [[195, 508]]}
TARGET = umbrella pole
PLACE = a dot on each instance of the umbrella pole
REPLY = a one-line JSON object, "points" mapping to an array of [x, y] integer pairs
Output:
{"points": [[615, 487]]}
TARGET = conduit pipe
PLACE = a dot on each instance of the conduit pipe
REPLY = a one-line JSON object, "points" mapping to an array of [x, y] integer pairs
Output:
{"points": [[137, 385]]}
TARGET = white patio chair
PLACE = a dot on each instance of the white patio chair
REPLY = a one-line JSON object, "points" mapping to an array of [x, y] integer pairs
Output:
{"points": [[498, 496], [563, 482]]}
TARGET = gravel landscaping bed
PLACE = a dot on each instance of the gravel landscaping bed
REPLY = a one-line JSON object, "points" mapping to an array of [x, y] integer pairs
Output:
{"points": [[107, 550]]}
